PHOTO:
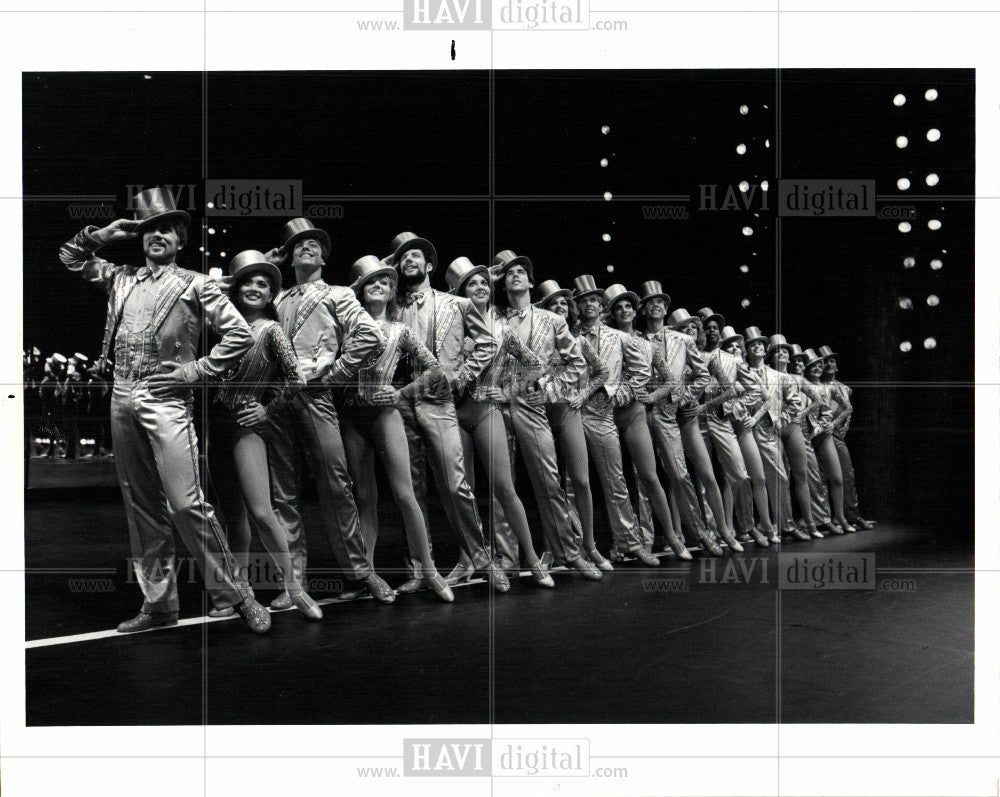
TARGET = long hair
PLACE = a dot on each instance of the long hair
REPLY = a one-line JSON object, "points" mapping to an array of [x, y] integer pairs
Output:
{"points": [[393, 307], [573, 319], [270, 311]]}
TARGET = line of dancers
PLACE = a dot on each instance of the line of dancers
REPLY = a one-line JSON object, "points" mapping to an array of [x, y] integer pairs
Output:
{"points": [[393, 372]]}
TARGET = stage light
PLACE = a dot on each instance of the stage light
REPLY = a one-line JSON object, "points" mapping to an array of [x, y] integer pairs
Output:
{"points": [[210, 205], [748, 231], [930, 343], [605, 237], [902, 141], [610, 269], [607, 196], [744, 186], [933, 134], [764, 185], [933, 301], [605, 129], [931, 179], [905, 303], [902, 183], [741, 149], [201, 248], [898, 100], [767, 143], [222, 254], [744, 109], [934, 224], [930, 95], [745, 269], [211, 230], [604, 162], [905, 346], [904, 226], [936, 265], [909, 262], [745, 304], [147, 77]]}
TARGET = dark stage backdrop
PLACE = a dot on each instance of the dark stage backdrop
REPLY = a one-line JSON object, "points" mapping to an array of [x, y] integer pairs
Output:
{"points": [[419, 151]]}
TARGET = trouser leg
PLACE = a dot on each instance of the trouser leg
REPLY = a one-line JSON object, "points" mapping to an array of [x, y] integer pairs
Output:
{"points": [[851, 507], [818, 496], [356, 426], [284, 456], [727, 449], [772, 458]]}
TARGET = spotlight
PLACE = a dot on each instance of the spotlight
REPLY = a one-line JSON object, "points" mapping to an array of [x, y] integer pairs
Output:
{"points": [[201, 248], [211, 230], [607, 196], [905, 303], [605, 237], [741, 149], [210, 205], [930, 95], [604, 162], [930, 343], [222, 254], [764, 185], [898, 100], [904, 226], [744, 186], [745, 304], [909, 262], [902, 183], [748, 231], [610, 269], [744, 269], [936, 265], [933, 134], [933, 301], [905, 346], [605, 129], [931, 179], [744, 109], [902, 141], [934, 224]]}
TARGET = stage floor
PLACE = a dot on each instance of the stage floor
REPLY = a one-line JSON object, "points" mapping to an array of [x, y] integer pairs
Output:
{"points": [[709, 641]]}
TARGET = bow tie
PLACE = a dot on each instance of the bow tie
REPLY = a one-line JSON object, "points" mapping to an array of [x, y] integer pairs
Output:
{"points": [[518, 313], [143, 272], [415, 298]]}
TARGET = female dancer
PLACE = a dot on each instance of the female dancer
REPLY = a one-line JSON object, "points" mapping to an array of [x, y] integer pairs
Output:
{"points": [[743, 417], [371, 423], [482, 424], [630, 415], [822, 437], [239, 424], [793, 409], [566, 420], [817, 487]]}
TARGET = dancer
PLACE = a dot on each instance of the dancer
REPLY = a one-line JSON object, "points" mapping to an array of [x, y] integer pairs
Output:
{"points": [[484, 428], [333, 337], [239, 425], [443, 322], [156, 315], [630, 413], [817, 486], [371, 422]]}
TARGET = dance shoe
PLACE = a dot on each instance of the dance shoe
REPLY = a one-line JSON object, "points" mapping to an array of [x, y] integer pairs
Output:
{"points": [[462, 572], [541, 575], [797, 533], [773, 536], [282, 602], [229, 611], [815, 532], [847, 528], [496, 577], [677, 545], [709, 543], [257, 618], [144, 621], [439, 585], [645, 557], [600, 561], [731, 541], [585, 568], [743, 537], [414, 583], [307, 605], [759, 538], [380, 591]]}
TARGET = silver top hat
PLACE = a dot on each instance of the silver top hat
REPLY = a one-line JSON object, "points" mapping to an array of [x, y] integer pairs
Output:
{"points": [[406, 241], [797, 351], [585, 285], [250, 261], [460, 271], [652, 289], [728, 334], [708, 314], [618, 292], [368, 268], [811, 358], [826, 351], [507, 259], [156, 204], [297, 229], [549, 290], [777, 341], [681, 317], [753, 334]]}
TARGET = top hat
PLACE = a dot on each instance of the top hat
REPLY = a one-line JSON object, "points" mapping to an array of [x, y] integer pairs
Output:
{"points": [[549, 290], [777, 342], [618, 292], [297, 229], [35, 351], [250, 261], [728, 334], [811, 358], [460, 271], [585, 285], [652, 289], [156, 204], [826, 351], [681, 317], [707, 314], [796, 350], [753, 334], [368, 268], [406, 241], [507, 259]]}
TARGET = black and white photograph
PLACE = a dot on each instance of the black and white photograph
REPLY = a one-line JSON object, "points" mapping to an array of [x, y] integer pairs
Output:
{"points": [[459, 419]]}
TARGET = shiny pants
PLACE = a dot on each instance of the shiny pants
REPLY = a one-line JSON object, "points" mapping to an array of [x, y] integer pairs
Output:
{"points": [[730, 457], [772, 457], [852, 509]]}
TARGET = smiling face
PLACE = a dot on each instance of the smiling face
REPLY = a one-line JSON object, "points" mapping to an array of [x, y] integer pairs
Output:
{"points": [[733, 347], [559, 306], [477, 288], [654, 309], [712, 332], [831, 366], [161, 242], [815, 371], [590, 308], [756, 350], [308, 254], [413, 265], [254, 292], [623, 312], [378, 291], [797, 366], [691, 329]]}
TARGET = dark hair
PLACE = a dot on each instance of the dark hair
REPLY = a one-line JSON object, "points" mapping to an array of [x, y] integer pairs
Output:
{"points": [[270, 311], [573, 319], [179, 225]]}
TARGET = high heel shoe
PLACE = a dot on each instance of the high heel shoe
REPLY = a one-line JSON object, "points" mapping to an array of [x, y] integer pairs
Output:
{"points": [[847, 527], [815, 532], [731, 541], [461, 573], [600, 561], [306, 605], [759, 538], [541, 576], [439, 585], [677, 545]]}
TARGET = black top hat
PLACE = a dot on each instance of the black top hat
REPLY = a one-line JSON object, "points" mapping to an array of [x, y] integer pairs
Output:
{"points": [[507, 259], [460, 271], [406, 241], [250, 261], [297, 229], [156, 204]]}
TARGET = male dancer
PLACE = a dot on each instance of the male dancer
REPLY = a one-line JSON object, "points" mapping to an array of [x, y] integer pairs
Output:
{"points": [[548, 337], [156, 314], [333, 337], [443, 322]]}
